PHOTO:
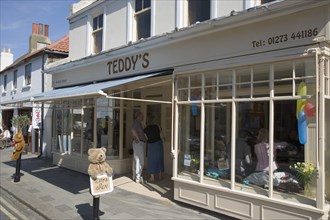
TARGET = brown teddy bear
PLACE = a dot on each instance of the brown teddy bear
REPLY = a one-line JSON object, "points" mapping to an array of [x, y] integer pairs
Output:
{"points": [[19, 145], [97, 164]]}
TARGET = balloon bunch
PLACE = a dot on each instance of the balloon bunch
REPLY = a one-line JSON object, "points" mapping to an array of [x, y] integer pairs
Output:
{"points": [[303, 110]]}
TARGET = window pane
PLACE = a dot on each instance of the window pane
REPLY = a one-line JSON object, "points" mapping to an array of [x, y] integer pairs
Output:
{"points": [[210, 87], [95, 21], [243, 82], [225, 84], [108, 127], [58, 130], [15, 79], [5, 82], [77, 127], [199, 10], [98, 41], [283, 78], [182, 85], [28, 74], [88, 128], [143, 25], [138, 5], [288, 146], [100, 21], [189, 142], [146, 3], [252, 117], [217, 129]]}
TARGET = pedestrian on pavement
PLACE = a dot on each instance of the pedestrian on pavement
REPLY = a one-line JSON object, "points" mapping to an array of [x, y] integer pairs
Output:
{"points": [[30, 138], [5, 137], [155, 149], [138, 147]]}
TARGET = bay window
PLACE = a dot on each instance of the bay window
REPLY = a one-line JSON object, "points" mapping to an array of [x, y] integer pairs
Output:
{"points": [[219, 110]]}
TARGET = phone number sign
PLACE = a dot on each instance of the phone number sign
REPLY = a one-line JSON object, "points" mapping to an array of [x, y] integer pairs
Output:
{"points": [[282, 38]]}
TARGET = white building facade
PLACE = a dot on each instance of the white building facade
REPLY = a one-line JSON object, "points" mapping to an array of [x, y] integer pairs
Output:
{"points": [[24, 78], [206, 70]]}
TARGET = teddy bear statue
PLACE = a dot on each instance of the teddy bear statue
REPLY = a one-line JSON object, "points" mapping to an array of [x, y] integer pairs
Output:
{"points": [[19, 143], [97, 163]]}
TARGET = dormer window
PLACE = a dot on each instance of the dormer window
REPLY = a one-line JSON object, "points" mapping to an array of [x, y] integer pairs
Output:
{"points": [[198, 11], [143, 18], [97, 33]]}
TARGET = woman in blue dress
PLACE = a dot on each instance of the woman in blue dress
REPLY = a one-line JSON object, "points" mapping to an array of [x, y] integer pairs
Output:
{"points": [[155, 150]]}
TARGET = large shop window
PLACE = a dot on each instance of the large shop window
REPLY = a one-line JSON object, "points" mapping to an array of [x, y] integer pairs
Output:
{"points": [[143, 18], [108, 116], [213, 105], [73, 127]]}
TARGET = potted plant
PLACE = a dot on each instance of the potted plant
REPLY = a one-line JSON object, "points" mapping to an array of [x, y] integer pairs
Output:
{"points": [[306, 174], [20, 121]]}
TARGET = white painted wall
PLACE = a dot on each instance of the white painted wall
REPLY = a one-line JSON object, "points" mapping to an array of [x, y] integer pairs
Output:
{"points": [[165, 15]]}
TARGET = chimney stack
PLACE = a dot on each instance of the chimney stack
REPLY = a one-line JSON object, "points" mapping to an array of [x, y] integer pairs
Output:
{"points": [[34, 28], [40, 29], [6, 58], [46, 30], [39, 37]]}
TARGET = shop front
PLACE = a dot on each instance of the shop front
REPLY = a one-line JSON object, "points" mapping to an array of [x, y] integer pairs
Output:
{"points": [[206, 85], [276, 94]]}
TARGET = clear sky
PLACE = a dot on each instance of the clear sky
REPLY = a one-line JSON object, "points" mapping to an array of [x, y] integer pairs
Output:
{"points": [[17, 17]]}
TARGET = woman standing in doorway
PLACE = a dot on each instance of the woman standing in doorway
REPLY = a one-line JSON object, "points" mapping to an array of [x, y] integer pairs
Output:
{"points": [[155, 149]]}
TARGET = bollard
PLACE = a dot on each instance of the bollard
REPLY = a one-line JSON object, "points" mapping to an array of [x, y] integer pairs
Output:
{"points": [[17, 175], [96, 207]]}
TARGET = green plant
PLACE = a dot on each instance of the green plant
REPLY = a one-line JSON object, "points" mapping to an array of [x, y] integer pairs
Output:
{"points": [[306, 173], [20, 121]]}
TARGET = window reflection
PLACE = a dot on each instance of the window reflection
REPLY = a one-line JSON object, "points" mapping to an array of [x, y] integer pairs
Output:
{"points": [[252, 142]]}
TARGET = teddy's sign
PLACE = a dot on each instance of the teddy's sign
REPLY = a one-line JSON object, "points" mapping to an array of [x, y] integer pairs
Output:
{"points": [[101, 185]]}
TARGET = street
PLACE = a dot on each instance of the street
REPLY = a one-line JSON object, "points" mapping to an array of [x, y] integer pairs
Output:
{"points": [[11, 208]]}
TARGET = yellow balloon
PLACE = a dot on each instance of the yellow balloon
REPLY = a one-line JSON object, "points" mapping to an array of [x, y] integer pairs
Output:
{"points": [[302, 91]]}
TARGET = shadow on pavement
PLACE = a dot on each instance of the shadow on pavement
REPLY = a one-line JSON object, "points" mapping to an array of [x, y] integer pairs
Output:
{"points": [[85, 211], [58, 176]]}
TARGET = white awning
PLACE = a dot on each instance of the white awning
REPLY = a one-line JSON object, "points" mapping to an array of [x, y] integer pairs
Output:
{"points": [[89, 90], [18, 100]]}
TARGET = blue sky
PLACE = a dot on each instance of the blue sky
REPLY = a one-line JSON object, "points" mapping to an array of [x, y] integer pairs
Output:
{"points": [[17, 16]]}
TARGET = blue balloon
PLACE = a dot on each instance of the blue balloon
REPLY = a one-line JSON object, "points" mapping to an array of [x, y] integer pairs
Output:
{"points": [[302, 127]]}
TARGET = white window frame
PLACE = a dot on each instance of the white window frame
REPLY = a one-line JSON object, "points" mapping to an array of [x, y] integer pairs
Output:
{"points": [[96, 31], [185, 9], [28, 74], [5, 81], [15, 79], [135, 23]]}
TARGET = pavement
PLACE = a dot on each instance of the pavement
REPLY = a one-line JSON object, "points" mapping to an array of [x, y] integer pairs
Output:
{"points": [[59, 193]]}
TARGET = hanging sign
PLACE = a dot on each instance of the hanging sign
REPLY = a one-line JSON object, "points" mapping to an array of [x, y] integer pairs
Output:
{"points": [[101, 185], [36, 117]]}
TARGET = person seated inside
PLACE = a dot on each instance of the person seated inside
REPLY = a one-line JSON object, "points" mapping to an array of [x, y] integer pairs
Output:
{"points": [[243, 159], [262, 151]]}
